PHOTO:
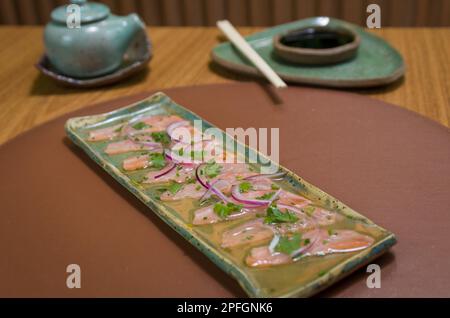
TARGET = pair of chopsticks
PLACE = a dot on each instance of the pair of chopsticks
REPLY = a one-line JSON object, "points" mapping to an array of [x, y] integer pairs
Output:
{"points": [[239, 42]]}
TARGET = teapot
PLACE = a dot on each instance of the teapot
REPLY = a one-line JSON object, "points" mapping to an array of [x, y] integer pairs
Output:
{"points": [[97, 43]]}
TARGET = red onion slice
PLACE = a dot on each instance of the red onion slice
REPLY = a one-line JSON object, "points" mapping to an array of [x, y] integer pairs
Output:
{"points": [[204, 183], [170, 166], [239, 197], [216, 183]]}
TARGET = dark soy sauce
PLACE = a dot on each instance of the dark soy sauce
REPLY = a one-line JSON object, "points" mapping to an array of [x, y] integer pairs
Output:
{"points": [[316, 38]]}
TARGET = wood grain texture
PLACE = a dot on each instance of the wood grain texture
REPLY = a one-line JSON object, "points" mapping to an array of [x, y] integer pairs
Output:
{"points": [[182, 57]]}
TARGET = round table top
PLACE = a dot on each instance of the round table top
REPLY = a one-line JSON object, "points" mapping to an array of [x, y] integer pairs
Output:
{"points": [[57, 207]]}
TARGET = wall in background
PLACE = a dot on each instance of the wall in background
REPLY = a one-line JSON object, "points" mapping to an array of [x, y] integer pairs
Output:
{"points": [[244, 12]]}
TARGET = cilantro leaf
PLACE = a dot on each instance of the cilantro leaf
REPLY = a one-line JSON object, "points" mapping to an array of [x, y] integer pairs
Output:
{"points": [[309, 210], [140, 125], [287, 245], [266, 196], [224, 210], [274, 215], [174, 187], [245, 187], [212, 169], [161, 136], [157, 159], [274, 186]]}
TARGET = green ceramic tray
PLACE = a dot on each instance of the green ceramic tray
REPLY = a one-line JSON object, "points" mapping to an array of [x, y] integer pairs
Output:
{"points": [[376, 63], [271, 282]]}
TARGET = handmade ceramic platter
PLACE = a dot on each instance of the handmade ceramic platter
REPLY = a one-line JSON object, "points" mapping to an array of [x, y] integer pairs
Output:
{"points": [[305, 276], [376, 62]]}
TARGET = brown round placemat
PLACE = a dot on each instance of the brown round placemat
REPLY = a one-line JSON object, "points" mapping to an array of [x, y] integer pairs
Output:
{"points": [[57, 207]]}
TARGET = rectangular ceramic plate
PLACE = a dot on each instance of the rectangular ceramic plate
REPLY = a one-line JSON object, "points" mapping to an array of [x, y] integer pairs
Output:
{"points": [[299, 279]]}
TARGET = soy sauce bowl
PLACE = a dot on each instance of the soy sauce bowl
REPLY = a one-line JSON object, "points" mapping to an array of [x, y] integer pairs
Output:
{"points": [[317, 45]]}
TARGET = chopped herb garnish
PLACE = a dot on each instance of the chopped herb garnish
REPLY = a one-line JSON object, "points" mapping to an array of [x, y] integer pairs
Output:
{"points": [[140, 125], [309, 210], [274, 215], [266, 196], [287, 245], [245, 187], [224, 210], [158, 160], [118, 129], [174, 187], [197, 188], [306, 241], [190, 180], [321, 273], [181, 151], [274, 186], [331, 232], [212, 169], [161, 136]]}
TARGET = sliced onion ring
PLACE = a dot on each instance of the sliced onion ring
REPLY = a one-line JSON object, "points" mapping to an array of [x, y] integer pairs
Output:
{"points": [[216, 183], [274, 243], [169, 167], [204, 183], [239, 197]]}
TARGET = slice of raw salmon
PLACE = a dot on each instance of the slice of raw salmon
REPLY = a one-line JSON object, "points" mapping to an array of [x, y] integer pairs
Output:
{"points": [[322, 243], [129, 146], [105, 133]]}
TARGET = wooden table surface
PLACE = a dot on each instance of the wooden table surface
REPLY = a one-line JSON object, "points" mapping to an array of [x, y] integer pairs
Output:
{"points": [[182, 57]]}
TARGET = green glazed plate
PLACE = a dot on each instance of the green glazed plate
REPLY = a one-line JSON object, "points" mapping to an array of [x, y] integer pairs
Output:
{"points": [[302, 278], [376, 63]]}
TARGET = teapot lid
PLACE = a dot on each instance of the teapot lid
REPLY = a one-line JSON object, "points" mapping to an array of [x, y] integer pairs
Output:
{"points": [[89, 11]]}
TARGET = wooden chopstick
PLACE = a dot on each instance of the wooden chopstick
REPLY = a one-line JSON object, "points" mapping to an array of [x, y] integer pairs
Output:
{"points": [[233, 35]]}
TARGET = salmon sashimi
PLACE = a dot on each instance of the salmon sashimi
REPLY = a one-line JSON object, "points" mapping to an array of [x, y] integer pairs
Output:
{"points": [[105, 133], [292, 199], [340, 241], [130, 146], [324, 217], [318, 243], [149, 124], [135, 163], [190, 190], [250, 232], [233, 173], [263, 257], [207, 215], [236, 236]]}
